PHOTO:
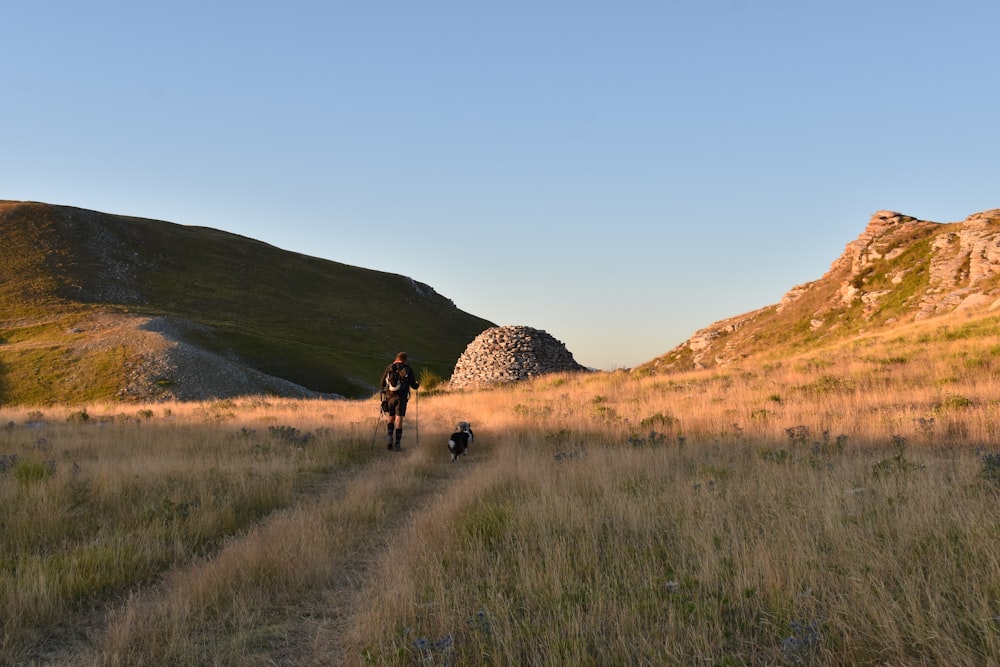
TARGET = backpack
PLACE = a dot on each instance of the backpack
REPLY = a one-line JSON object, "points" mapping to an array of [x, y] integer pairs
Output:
{"points": [[396, 378]]}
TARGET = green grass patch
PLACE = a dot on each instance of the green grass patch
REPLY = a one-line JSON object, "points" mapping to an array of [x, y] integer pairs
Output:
{"points": [[324, 325]]}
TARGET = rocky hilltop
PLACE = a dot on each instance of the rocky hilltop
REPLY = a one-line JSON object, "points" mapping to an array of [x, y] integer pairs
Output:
{"points": [[899, 269]]}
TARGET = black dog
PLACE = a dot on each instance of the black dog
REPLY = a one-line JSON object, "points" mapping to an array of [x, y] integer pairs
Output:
{"points": [[460, 440]]}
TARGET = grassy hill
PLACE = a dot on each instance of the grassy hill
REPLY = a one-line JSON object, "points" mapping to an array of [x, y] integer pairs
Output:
{"points": [[325, 326]]}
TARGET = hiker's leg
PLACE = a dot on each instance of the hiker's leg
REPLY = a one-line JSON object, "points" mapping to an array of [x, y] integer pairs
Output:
{"points": [[392, 423], [400, 413], [399, 430]]}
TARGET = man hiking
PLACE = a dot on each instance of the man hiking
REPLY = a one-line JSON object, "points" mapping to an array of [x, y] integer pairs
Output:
{"points": [[397, 379]]}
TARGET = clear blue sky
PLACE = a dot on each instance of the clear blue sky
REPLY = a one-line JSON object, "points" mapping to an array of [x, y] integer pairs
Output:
{"points": [[619, 174]]}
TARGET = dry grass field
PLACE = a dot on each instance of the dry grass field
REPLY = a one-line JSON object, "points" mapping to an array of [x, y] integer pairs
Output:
{"points": [[835, 508]]}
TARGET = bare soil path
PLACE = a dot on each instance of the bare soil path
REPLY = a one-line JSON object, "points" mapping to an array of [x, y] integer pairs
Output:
{"points": [[317, 627], [311, 628]]}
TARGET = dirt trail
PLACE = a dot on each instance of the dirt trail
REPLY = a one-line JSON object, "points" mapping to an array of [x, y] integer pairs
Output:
{"points": [[309, 630], [317, 628]]}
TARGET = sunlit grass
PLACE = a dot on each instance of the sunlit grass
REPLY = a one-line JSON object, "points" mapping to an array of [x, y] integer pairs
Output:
{"points": [[833, 508]]}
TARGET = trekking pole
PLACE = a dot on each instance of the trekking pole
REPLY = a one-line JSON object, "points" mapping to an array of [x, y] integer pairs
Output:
{"points": [[378, 421], [416, 418]]}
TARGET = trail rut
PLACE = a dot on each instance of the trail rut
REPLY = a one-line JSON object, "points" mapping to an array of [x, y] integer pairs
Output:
{"points": [[309, 629]]}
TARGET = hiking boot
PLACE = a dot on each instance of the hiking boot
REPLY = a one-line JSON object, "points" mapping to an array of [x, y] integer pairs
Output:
{"points": [[389, 446], [396, 447]]}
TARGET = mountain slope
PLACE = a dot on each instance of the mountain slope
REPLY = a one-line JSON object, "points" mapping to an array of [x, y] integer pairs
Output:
{"points": [[283, 322], [898, 270]]}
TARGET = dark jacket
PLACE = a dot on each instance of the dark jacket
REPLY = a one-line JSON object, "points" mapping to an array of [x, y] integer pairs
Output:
{"points": [[407, 379]]}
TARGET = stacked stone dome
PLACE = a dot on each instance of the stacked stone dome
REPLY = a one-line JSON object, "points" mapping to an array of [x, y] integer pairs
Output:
{"points": [[507, 354]]}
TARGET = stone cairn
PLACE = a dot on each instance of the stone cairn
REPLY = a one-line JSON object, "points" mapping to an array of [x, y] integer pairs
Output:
{"points": [[508, 354]]}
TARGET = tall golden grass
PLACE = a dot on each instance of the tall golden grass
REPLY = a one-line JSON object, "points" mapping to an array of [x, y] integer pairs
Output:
{"points": [[834, 508]]}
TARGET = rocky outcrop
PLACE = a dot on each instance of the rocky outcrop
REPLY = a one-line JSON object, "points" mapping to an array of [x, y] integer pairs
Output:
{"points": [[898, 269], [959, 262], [507, 354], [887, 236], [962, 257]]}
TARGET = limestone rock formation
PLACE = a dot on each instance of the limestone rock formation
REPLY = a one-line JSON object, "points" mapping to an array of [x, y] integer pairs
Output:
{"points": [[961, 259], [899, 269], [507, 354]]}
